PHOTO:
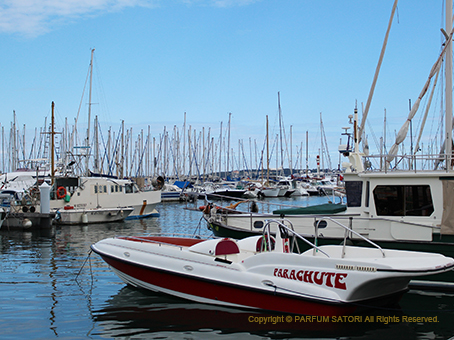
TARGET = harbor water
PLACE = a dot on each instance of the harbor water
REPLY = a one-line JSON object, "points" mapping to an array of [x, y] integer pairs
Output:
{"points": [[52, 287]]}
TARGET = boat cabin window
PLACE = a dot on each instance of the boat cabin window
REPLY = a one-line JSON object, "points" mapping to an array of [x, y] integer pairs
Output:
{"points": [[115, 188], [128, 188], [403, 200], [354, 190], [100, 189]]}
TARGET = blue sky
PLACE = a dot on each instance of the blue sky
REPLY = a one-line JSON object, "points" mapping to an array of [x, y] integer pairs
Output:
{"points": [[157, 59]]}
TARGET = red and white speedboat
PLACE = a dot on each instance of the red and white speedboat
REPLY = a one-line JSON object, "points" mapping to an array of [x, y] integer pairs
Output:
{"points": [[268, 272]]}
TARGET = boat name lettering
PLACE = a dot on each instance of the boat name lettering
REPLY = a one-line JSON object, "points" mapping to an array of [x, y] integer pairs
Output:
{"points": [[336, 280]]}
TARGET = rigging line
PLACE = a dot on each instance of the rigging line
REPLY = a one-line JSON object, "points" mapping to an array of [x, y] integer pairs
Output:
{"points": [[140, 160], [244, 158], [207, 158], [374, 137], [194, 157], [110, 162], [100, 88], [80, 106], [83, 265], [172, 153]]}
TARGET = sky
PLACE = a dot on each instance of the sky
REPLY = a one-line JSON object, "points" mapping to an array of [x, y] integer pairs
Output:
{"points": [[157, 61]]}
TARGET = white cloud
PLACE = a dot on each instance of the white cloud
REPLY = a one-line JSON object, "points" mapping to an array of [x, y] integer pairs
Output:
{"points": [[31, 18], [219, 3], [35, 17], [230, 3]]}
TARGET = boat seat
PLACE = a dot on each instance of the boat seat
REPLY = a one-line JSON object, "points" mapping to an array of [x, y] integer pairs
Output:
{"points": [[260, 243], [226, 247]]}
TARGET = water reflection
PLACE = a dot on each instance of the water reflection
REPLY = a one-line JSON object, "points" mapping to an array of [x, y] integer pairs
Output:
{"points": [[139, 313]]}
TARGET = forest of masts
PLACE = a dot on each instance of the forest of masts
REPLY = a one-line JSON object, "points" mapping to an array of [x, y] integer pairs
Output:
{"points": [[176, 153]]}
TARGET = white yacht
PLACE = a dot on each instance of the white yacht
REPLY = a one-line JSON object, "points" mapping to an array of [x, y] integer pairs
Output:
{"points": [[90, 197]]}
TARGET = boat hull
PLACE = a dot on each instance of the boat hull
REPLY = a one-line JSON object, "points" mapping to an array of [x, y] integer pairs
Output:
{"points": [[220, 293], [81, 216], [244, 274]]}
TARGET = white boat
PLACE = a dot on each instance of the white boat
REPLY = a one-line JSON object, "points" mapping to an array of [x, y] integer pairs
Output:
{"points": [[300, 190], [269, 272], [269, 191], [109, 194], [96, 215], [285, 188], [22, 179], [170, 192], [324, 186]]}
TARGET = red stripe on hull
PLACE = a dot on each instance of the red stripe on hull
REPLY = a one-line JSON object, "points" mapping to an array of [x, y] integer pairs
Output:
{"points": [[217, 291]]}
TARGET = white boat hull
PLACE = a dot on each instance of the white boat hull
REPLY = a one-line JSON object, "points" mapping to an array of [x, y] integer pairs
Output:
{"points": [[82, 216]]}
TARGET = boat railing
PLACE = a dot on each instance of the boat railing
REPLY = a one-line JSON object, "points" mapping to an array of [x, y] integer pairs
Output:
{"points": [[346, 234], [406, 162], [253, 217], [289, 232]]}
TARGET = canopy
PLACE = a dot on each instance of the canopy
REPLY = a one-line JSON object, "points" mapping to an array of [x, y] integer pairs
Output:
{"points": [[320, 209]]}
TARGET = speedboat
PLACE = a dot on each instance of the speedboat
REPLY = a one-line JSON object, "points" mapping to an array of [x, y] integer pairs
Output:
{"points": [[269, 272]]}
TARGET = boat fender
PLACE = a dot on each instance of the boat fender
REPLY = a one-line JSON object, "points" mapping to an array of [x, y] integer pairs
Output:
{"points": [[61, 192], [26, 223]]}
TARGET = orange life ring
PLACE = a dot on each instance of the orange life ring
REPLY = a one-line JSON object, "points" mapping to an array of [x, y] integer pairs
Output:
{"points": [[61, 192]]}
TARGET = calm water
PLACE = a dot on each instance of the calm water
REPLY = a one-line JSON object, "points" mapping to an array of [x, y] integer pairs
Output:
{"points": [[51, 289]]}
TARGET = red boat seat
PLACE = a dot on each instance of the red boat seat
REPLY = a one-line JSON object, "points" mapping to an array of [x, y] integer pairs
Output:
{"points": [[226, 247], [261, 242]]}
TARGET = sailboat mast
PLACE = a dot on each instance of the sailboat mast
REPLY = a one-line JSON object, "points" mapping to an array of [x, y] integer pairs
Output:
{"points": [[290, 160], [448, 88], [52, 157], [307, 154], [280, 133], [267, 153], [87, 144], [228, 147]]}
